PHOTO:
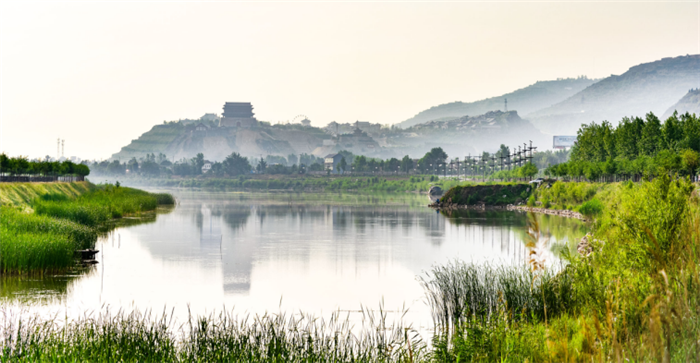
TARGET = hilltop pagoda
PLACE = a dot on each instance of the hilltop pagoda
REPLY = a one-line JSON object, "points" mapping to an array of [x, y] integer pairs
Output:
{"points": [[238, 114]]}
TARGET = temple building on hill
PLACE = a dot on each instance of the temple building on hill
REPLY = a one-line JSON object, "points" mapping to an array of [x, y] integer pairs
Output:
{"points": [[238, 114]]}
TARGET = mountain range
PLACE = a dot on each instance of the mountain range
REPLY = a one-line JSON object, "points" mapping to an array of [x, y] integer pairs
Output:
{"points": [[561, 106]]}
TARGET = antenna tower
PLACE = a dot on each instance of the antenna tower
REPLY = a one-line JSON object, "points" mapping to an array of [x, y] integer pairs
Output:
{"points": [[506, 104], [63, 147]]}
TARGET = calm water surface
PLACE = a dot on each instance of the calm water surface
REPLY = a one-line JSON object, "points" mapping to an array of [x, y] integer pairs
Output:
{"points": [[315, 253]]}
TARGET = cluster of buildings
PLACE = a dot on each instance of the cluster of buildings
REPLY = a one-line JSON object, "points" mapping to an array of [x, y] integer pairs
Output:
{"points": [[335, 128]]}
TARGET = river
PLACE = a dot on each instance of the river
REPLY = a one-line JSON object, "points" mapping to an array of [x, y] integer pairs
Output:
{"points": [[272, 252]]}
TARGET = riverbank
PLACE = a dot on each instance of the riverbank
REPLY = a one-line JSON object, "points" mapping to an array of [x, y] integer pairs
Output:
{"points": [[634, 296], [22, 194], [43, 224], [301, 183], [580, 200]]}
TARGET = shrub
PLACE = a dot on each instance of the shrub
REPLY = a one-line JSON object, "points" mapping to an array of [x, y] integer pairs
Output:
{"points": [[531, 201], [591, 208]]}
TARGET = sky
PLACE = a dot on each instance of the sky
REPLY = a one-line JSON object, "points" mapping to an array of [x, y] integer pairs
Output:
{"points": [[99, 74]]}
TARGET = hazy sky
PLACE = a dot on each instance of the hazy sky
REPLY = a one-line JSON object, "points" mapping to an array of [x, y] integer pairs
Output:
{"points": [[100, 74]]}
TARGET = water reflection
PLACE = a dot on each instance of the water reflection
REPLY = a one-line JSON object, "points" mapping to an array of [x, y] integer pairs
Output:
{"points": [[319, 252]]}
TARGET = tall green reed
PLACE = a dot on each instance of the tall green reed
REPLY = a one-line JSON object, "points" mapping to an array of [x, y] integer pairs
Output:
{"points": [[137, 336]]}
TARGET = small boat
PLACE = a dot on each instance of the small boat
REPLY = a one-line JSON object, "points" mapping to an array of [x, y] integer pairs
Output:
{"points": [[88, 254]]}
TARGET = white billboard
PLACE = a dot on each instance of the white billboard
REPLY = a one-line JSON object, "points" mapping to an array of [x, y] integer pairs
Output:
{"points": [[562, 142]]}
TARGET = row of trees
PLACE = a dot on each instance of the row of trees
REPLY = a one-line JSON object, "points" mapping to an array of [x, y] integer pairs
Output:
{"points": [[153, 165], [21, 165], [636, 147]]}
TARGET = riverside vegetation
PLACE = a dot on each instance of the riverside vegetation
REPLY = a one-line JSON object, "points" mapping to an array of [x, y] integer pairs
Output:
{"points": [[633, 295], [43, 224]]}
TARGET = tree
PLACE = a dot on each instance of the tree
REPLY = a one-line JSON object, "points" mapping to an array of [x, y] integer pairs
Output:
{"points": [[292, 159], [672, 132], [392, 165], [235, 164], [342, 165], [360, 164], [406, 164], [82, 170], [528, 170], [262, 165], [133, 165], [198, 162], [690, 159], [432, 158], [503, 151], [651, 141]]}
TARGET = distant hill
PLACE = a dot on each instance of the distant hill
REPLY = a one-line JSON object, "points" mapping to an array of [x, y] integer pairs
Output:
{"points": [[654, 87], [466, 135], [689, 103], [180, 140], [525, 100]]}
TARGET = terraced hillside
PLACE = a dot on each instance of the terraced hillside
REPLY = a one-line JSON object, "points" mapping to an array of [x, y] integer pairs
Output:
{"points": [[178, 141]]}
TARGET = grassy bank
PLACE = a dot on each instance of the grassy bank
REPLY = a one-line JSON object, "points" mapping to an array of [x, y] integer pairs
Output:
{"points": [[22, 194], [588, 199], [634, 295], [61, 222]]}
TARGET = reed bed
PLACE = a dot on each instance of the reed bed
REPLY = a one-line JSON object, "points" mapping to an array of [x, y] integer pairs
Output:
{"points": [[26, 252], [80, 235], [97, 207], [142, 337], [45, 240], [459, 292]]}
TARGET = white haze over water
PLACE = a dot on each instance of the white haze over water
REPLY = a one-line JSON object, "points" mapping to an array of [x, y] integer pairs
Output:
{"points": [[100, 74]]}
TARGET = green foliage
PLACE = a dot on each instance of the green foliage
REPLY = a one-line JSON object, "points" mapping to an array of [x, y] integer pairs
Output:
{"points": [[22, 166], [634, 294], [636, 147], [45, 240], [591, 208], [531, 201]]}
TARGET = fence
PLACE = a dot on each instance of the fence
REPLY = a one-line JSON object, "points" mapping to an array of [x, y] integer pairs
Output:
{"points": [[40, 178]]}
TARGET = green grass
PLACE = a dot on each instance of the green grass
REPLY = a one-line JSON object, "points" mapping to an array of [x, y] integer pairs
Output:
{"points": [[23, 194], [29, 252], [635, 297], [100, 205], [45, 240]]}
